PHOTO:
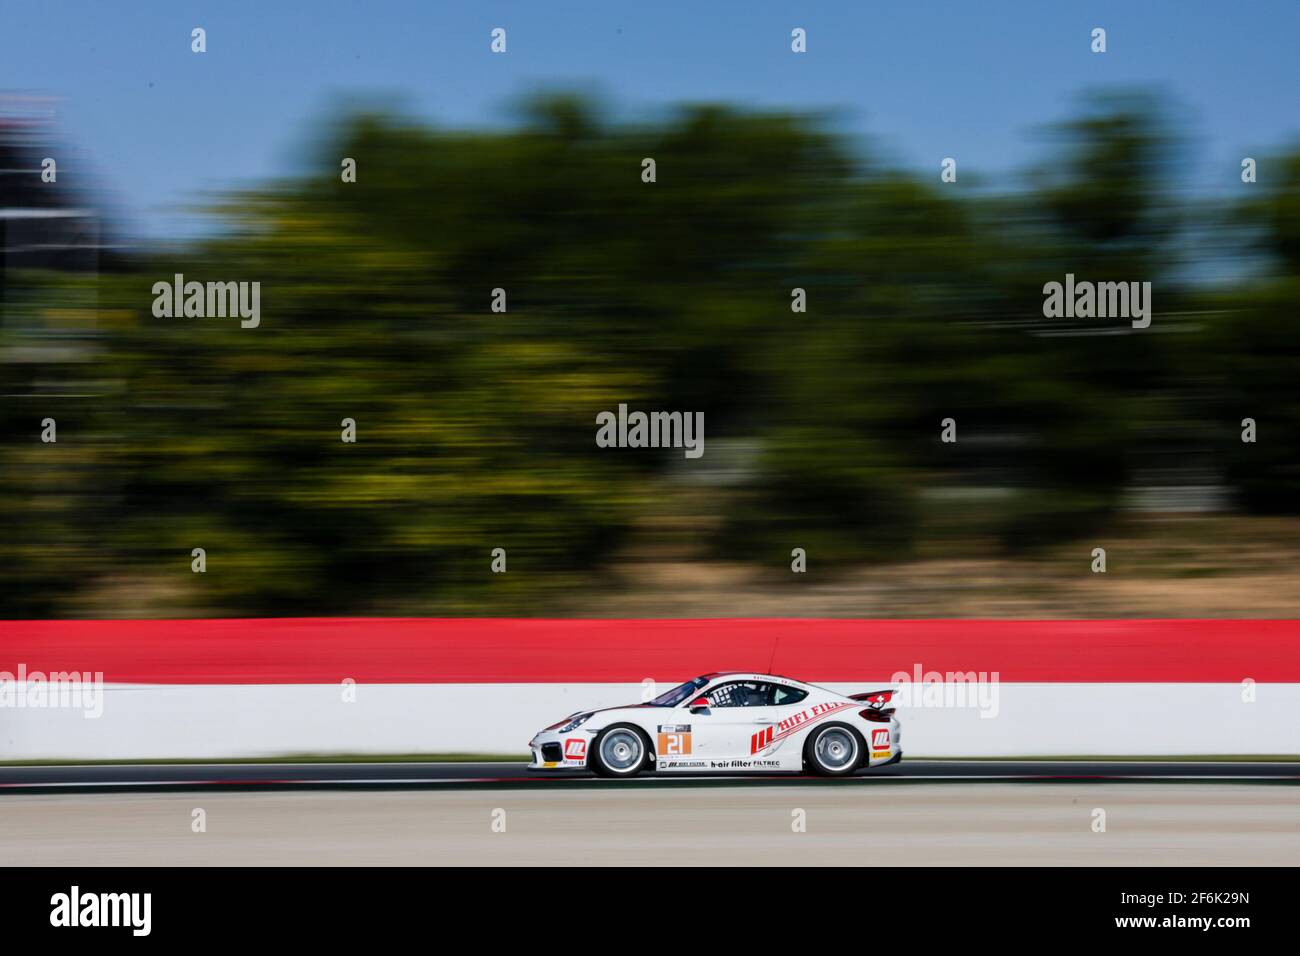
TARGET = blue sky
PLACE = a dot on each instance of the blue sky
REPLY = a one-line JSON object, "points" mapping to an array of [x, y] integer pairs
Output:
{"points": [[166, 128]]}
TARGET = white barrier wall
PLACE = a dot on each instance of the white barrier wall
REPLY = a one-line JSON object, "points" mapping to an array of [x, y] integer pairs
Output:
{"points": [[263, 720]]}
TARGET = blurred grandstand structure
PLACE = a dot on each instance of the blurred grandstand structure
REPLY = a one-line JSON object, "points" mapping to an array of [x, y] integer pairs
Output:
{"points": [[42, 227]]}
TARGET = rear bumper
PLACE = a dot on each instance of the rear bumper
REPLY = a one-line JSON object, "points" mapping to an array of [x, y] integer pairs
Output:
{"points": [[884, 743]]}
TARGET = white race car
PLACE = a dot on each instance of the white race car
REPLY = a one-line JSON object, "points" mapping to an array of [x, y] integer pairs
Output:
{"points": [[726, 723]]}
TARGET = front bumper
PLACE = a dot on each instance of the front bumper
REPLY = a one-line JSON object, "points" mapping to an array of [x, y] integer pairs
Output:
{"points": [[555, 751]]}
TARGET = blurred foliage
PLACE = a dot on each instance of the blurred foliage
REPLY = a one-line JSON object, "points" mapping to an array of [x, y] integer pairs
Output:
{"points": [[476, 429]]}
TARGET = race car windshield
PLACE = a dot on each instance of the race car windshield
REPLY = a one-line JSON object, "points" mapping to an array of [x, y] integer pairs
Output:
{"points": [[678, 694]]}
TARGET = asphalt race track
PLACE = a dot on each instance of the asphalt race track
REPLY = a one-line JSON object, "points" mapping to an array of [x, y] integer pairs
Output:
{"points": [[783, 823], [444, 775], [495, 814]]}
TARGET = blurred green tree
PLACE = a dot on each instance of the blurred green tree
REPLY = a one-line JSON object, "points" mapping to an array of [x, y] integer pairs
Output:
{"points": [[476, 428]]}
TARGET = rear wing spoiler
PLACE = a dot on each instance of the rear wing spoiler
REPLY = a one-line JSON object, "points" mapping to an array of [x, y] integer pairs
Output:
{"points": [[876, 700]]}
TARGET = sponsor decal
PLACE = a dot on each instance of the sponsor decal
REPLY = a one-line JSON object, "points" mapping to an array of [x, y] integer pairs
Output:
{"points": [[681, 765], [815, 712], [674, 740], [745, 764], [880, 742], [805, 718], [575, 748]]}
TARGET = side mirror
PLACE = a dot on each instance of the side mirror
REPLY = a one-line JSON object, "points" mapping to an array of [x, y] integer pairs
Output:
{"points": [[700, 705]]}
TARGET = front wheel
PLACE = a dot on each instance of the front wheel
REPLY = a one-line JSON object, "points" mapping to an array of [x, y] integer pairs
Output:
{"points": [[833, 751], [619, 751]]}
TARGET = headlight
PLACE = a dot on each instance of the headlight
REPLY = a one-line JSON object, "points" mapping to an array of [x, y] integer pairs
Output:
{"points": [[570, 723]]}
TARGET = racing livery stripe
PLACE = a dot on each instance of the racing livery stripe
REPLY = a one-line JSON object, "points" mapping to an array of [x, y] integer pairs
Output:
{"points": [[765, 738], [540, 651]]}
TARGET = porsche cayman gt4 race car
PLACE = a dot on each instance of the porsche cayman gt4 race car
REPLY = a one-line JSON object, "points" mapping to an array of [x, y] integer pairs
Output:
{"points": [[724, 723]]}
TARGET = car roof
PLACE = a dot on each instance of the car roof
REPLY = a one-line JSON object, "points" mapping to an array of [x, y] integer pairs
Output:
{"points": [[749, 675]]}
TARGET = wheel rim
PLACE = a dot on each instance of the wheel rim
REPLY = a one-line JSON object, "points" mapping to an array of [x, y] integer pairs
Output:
{"points": [[621, 750], [836, 749]]}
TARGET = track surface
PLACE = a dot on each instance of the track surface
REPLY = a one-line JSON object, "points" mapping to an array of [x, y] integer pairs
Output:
{"points": [[163, 777], [491, 814], [784, 823]]}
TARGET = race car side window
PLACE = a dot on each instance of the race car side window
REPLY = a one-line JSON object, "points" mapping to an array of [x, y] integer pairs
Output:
{"points": [[782, 695], [742, 693], [724, 695]]}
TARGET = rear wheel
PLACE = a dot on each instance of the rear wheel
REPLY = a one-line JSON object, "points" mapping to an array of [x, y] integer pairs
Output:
{"points": [[833, 751], [619, 751]]}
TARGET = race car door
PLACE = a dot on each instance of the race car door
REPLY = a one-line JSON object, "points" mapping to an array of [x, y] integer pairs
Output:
{"points": [[739, 710], [784, 702]]}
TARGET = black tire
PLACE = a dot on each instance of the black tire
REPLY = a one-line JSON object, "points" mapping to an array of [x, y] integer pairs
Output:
{"points": [[841, 751], [628, 751]]}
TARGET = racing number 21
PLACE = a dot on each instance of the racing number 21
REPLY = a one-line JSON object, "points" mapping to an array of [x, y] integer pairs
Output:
{"points": [[674, 744]]}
